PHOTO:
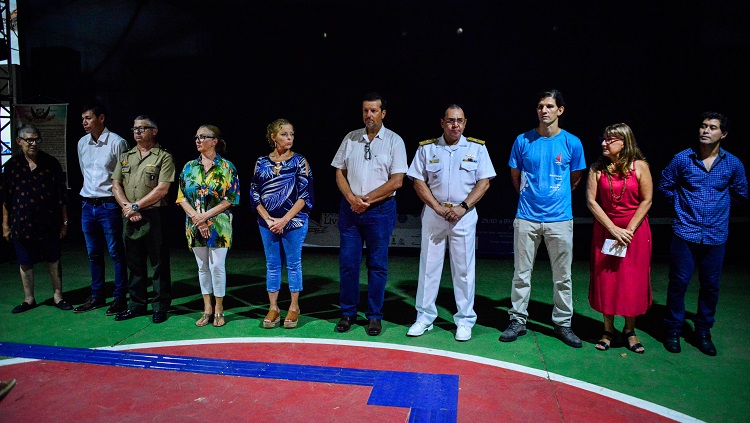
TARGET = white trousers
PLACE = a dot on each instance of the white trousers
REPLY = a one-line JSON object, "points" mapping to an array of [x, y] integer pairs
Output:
{"points": [[558, 238], [212, 273], [461, 241]]}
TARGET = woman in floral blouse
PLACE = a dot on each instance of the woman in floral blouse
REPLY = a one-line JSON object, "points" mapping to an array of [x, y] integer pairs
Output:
{"points": [[281, 191], [208, 188]]}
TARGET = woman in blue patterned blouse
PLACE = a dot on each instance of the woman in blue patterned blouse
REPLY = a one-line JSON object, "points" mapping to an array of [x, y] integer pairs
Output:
{"points": [[281, 192], [208, 188]]}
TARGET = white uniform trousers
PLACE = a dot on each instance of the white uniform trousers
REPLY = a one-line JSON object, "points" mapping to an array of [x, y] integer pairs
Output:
{"points": [[461, 239]]}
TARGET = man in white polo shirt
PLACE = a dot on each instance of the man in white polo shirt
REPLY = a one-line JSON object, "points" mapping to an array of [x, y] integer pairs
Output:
{"points": [[370, 166]]}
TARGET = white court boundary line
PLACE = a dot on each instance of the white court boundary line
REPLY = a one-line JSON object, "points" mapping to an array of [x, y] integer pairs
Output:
{"points": [[617, 396]]}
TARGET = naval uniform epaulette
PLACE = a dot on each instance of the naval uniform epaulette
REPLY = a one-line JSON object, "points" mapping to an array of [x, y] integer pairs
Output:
{"points": [[472, 139], [426, 142]]}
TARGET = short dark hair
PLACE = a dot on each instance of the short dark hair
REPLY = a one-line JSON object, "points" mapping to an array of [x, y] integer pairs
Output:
{"points": [[96, 108], [146, 117], [453, 106], [723, 120], [375, 96], [555, 94]]}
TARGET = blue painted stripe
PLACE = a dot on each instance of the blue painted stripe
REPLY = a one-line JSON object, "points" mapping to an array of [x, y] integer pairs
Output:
{"points": [[431, 397]]}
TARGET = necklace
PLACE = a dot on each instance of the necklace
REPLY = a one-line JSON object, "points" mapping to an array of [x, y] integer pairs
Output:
{"points": [[278, 164], [622, 192]]}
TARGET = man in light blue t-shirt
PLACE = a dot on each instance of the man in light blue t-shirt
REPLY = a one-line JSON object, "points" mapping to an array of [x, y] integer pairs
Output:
{"points": [[546, 165]]}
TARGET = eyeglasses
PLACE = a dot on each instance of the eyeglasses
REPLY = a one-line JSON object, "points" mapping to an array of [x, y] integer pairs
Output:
{"points": [[609, 140], [368, 154], [202, 137], [139, 129], [32, 140], [451, 121]]}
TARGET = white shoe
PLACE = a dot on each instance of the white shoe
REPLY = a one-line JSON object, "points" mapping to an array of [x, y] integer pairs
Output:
{"points": [[463, 333], [418, 329]]}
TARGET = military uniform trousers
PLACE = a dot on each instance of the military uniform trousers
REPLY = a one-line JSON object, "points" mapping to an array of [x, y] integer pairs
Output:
{"points": [[146, 241], [460, 240]]}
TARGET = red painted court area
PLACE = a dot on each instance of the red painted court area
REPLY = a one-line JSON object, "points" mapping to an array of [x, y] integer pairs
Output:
{"points": [[64, 391]]}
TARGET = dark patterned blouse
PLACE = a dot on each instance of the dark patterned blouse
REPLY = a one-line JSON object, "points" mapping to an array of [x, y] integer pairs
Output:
{"points": [[34, 198]]}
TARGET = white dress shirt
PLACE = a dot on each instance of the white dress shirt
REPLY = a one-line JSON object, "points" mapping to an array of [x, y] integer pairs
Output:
{"points": [[98, 159]]}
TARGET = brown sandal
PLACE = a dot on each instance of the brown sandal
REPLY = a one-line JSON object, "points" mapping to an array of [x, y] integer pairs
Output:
{"points": [[219, 320], [272, 319], [291, 319], [204, 320]]}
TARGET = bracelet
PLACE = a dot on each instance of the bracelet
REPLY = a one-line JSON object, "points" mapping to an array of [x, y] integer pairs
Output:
{"points": [[464, 205]]}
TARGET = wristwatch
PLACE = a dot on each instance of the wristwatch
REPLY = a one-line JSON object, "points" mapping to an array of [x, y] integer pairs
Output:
{"points": [[464, 205], [134, 206]]}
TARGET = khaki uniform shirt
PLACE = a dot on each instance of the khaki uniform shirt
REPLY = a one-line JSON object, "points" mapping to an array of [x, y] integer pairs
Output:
{"points": [[141, 175]]}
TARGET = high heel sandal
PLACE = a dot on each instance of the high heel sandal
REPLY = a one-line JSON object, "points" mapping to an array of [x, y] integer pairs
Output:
{"points": [[291, 319], [603, 346], [204, 320], [219, 320], [637, 347], [272, 319]]}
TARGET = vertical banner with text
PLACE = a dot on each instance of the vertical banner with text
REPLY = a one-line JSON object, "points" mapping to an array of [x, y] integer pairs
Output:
{"points": [[52, 120]]}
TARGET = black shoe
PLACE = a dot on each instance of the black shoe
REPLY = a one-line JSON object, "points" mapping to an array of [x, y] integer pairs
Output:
{"points": [[566, 335], [127, 315], [704, 344], [24, 307], [345, 323], [374, 327], [672, 342], [513, 331], [159, 317], [90, 304], [62, 305], [118, 306]]}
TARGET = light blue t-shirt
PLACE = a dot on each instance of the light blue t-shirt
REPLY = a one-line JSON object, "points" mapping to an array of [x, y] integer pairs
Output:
{"points": [[545, 165]]}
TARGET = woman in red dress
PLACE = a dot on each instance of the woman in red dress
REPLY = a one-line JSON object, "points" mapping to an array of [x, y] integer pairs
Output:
{"points": [[619, 194]]}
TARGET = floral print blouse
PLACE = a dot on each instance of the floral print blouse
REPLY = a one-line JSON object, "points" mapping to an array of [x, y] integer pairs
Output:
{"points": [[278, 191], [204, 190]]}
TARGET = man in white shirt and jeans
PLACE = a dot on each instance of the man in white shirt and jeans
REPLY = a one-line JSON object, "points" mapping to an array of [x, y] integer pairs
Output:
{"points": [[101, 219], [370, 166]]}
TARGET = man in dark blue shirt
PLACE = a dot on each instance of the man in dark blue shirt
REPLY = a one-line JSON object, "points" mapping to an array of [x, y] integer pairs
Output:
{"points": [[700, 183]]}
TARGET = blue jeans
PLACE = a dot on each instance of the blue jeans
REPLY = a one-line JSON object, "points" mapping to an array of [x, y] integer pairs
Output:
{"points": [[373, 227], [280, 250], [684, 257], [102, 228]]}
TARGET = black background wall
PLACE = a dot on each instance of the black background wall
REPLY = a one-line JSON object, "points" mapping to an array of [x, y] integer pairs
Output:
{"points": [[239, 65]]}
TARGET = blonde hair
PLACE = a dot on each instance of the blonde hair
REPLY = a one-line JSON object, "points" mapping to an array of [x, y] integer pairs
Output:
{"points": [[274, 128], [629, 154]]}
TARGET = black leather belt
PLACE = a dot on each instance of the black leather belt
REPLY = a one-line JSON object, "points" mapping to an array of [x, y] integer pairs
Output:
{"points": [[381, 202], [98, 201]]}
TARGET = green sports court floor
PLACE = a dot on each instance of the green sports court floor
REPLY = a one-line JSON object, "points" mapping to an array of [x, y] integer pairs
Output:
{"points": [[712, 389]]}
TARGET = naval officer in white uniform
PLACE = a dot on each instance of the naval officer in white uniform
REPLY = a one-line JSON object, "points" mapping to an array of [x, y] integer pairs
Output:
{"points": [[450, 175]]}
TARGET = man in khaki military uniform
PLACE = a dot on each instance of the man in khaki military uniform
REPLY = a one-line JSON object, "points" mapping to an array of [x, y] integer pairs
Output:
{"points": [[140, 183]]}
